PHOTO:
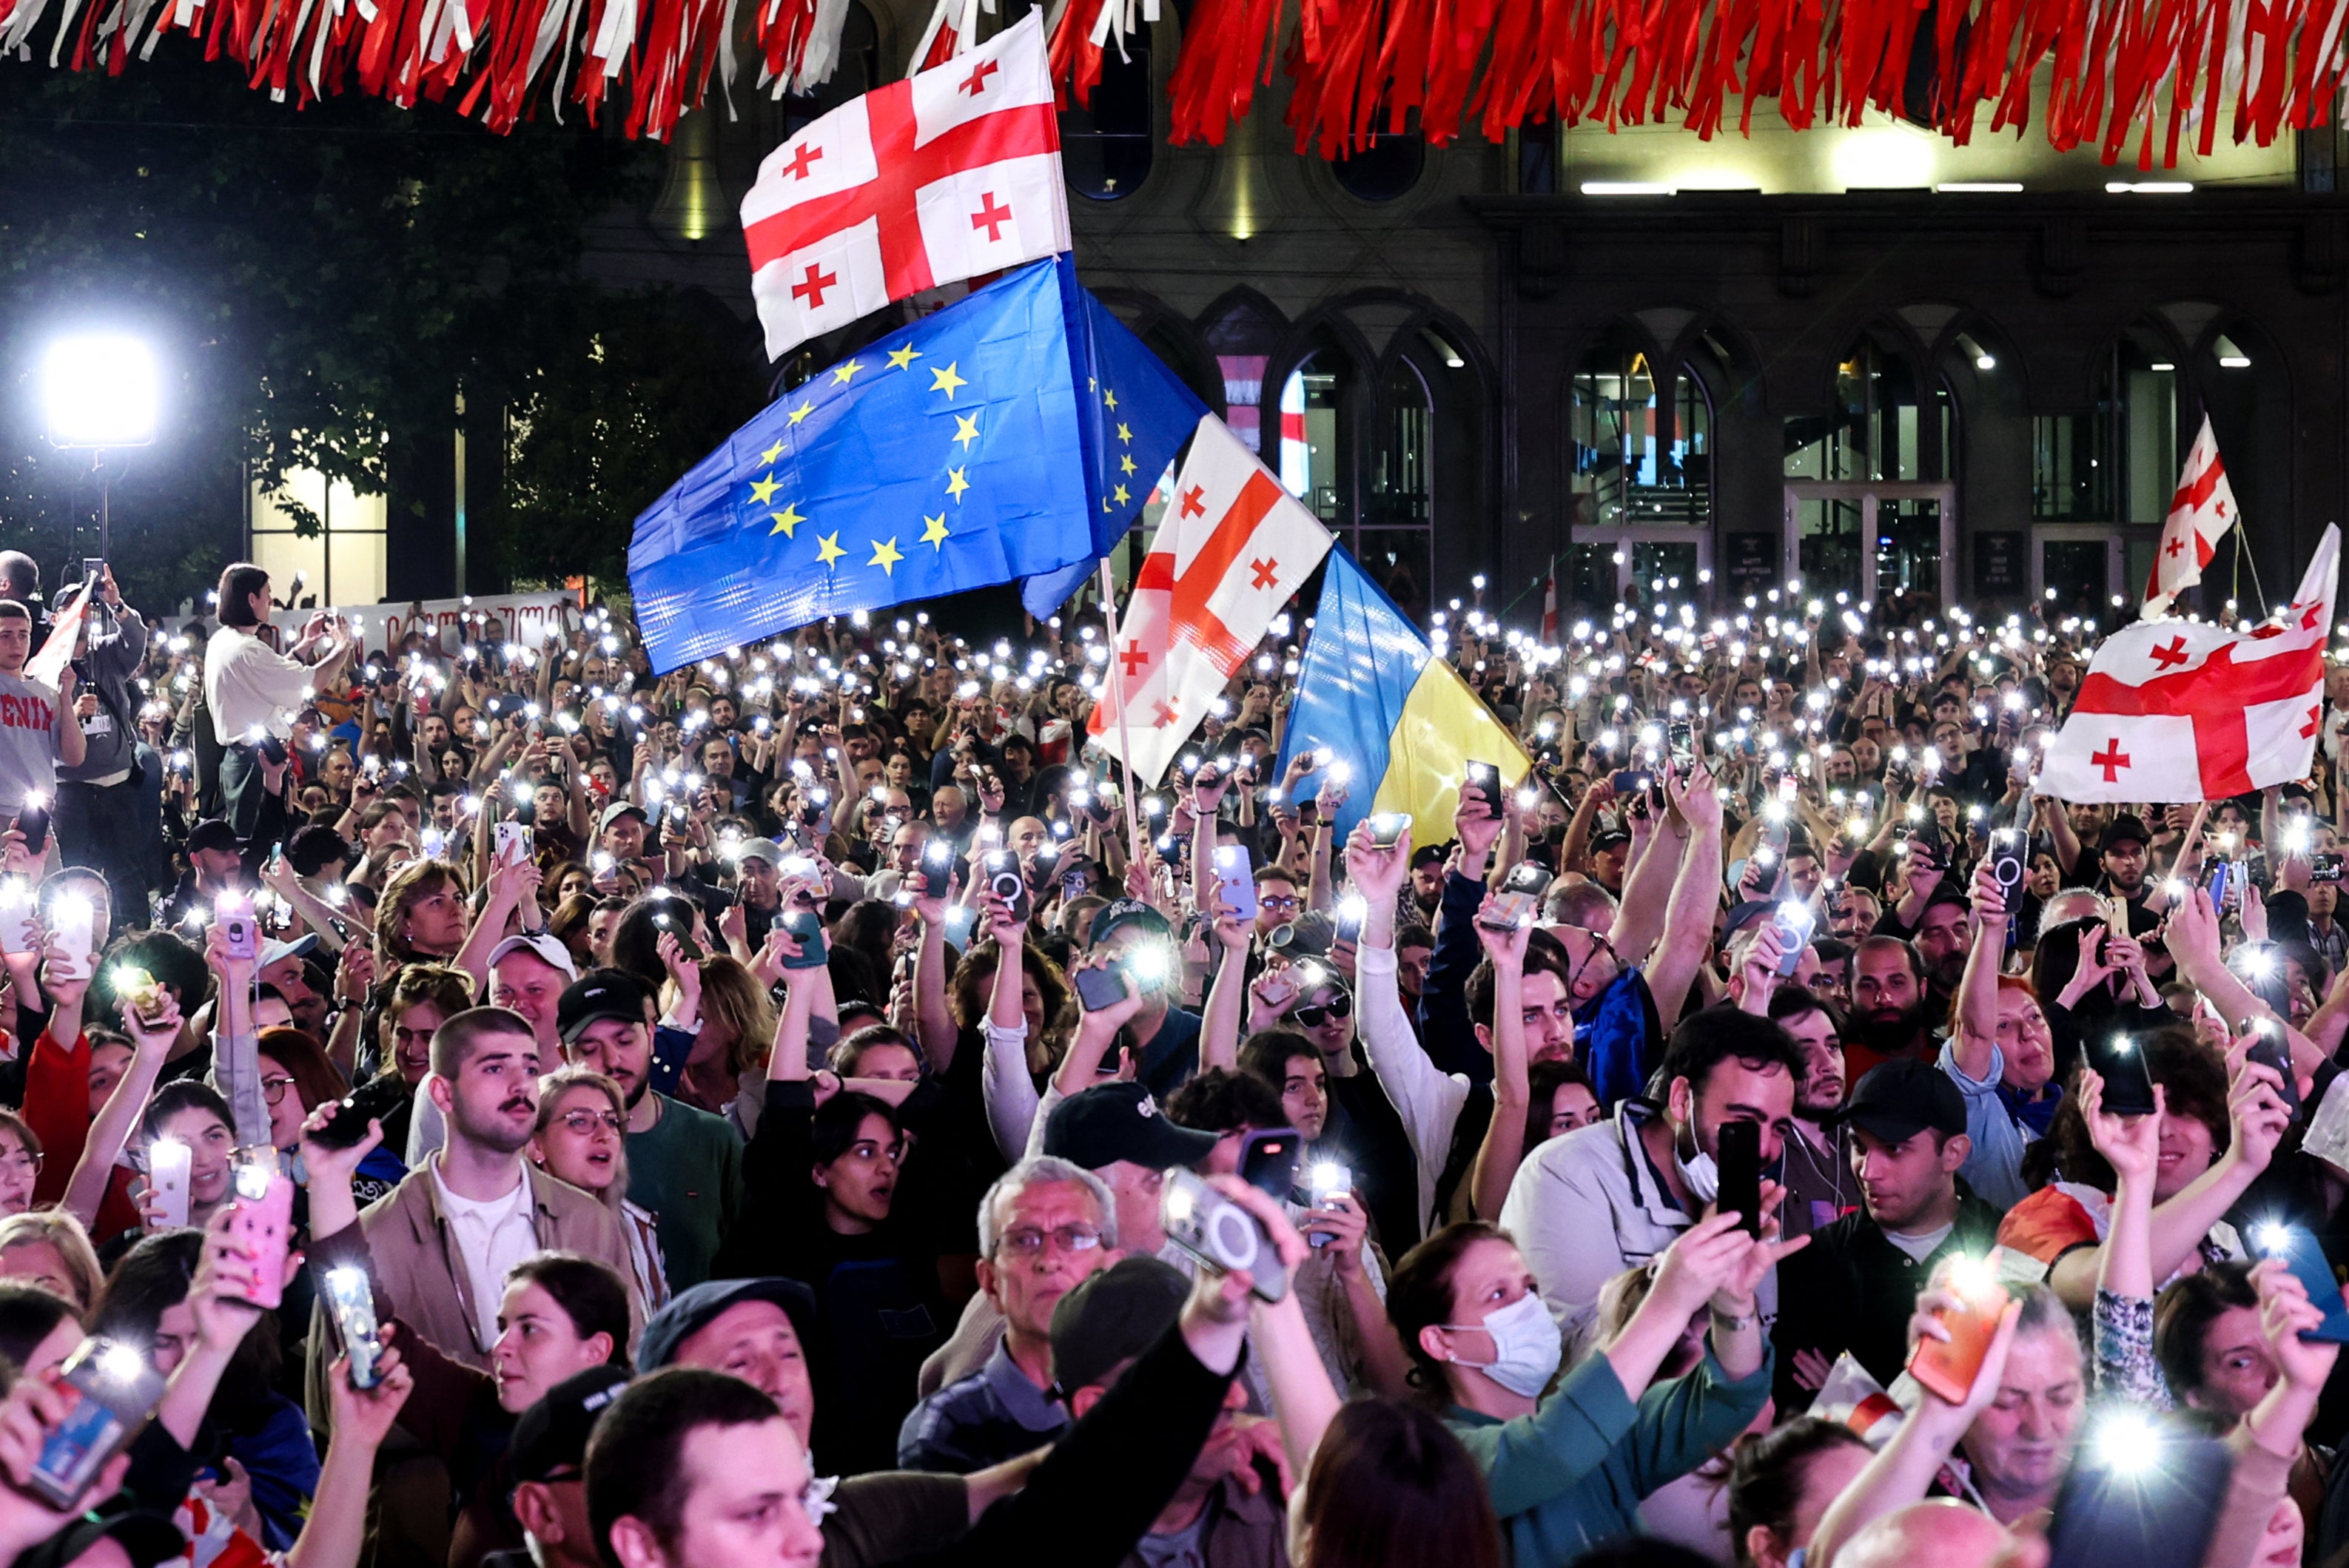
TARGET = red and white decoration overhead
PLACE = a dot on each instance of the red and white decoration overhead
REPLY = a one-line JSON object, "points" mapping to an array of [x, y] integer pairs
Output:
{"points": [[1232, 549], [948, 174], [2200, 514], [2183, 710], [2134, 81]]}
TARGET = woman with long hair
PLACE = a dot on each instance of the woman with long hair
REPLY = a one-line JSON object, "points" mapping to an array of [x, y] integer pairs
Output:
{"points": [[727, 1062]]}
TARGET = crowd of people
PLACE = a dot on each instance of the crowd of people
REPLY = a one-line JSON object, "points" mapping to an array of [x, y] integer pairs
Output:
{"points": [[473, 1098]]}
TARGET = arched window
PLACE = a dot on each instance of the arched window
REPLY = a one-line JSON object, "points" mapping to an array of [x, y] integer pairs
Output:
{"points": [[1639, 440], [1867, 498], [2117, 462], [1241, 338], [1314, 448], [1105, 145], [1388, 168]]}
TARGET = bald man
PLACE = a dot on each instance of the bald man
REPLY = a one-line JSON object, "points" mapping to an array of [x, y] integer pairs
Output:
{"points": [[1939, 1533]]}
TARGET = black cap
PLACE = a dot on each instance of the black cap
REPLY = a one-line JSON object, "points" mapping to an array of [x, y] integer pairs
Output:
{"points": [[1114, 1316], [1897, 1099], [551, 1435], [212, 833], [692, 1311], [1609, 838], [599, 993], [2124, 829], [1429, 855], [1124, 911], [1112, 1121]]}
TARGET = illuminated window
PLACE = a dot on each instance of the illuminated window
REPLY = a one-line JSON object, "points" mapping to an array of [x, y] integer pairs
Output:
{"points": [[1106, 147], [2117, 462], [344, 553]]}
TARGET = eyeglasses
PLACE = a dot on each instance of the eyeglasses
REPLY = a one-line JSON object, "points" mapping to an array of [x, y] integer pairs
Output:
{"points": [[1028, 1240], [1314, 1015], [273, 1089], [1599, 943], [585, 1123], [16, 1161], [1278, 900]]}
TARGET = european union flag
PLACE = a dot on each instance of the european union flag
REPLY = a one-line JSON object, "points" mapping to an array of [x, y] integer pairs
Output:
{"points": [[960, 452], [1137, 415]]}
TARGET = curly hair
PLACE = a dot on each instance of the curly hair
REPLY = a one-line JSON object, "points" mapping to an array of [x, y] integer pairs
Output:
{"points": [[967, 992], [2194, 1081]]}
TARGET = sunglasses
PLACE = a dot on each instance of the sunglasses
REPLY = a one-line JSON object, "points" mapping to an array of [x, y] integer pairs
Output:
{"points": [[1314, 1015]]}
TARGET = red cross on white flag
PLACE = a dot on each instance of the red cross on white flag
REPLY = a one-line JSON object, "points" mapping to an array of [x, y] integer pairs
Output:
{"points": [[2200, 514], [1232, 549], [2178, 710], [947, 174]]}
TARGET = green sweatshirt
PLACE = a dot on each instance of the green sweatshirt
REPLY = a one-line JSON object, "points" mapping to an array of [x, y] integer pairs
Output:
{"points": [[1572, 1474]]}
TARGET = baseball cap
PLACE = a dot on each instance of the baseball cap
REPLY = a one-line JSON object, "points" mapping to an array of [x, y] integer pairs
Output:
{"points": [[551, 1435], [1113, 1122], [1747, 913], [301, 946], [1126, 911], [212, 833], [618, 810], [1609, 838], [1112, 1317], [692, 1311], [548, 948], [766, 850], [2125, 828], [598, 994], [1429, 855], [1897, 1099]]}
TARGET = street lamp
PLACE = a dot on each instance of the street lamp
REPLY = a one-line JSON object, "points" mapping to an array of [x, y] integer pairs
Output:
{"points": [[101, 392]]}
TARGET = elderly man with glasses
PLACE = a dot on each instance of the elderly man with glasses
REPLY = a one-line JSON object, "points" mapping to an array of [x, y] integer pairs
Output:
{"points": [[1045, 1227]]}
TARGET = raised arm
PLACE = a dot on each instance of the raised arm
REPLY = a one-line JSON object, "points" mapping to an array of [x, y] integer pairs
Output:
{"points": [[151, 1042], [1219, 1030], [1504, 1146], [1977, 1036], [1688, 922]]}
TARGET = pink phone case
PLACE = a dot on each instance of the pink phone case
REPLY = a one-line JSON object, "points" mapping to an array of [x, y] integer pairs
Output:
{"points": [[263, 1225]]}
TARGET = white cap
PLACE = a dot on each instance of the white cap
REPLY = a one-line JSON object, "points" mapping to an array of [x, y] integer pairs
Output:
{"points": [[546, 948]]}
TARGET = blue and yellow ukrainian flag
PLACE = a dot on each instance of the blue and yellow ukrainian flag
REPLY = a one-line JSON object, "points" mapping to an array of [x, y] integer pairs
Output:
{"points": [[999, 439], [1371, 690]]}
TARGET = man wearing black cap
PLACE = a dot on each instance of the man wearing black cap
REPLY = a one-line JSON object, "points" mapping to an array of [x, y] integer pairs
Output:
{"points": [[215, 863], [1100, 1329], [685, 1165], [549, 1460], [1855, 1286]]}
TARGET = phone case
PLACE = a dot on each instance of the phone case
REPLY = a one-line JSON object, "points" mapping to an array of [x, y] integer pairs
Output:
{"points": [[1948, 1369], [1740, 1166], [2306, 1260], [262, 1222], [114, 1389], [2129, 1083], [2271, 1052], [1235, 877], [166, 1180], [2157, 1511], [1098, 989], [510, 834], [1269, 1161]]}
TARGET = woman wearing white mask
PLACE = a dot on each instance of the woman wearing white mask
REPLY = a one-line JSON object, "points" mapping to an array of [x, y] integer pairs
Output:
{"points": [[1567, 1466]]}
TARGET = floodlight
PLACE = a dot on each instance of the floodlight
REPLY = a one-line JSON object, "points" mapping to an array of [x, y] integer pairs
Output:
{"points": [[100, 390]]}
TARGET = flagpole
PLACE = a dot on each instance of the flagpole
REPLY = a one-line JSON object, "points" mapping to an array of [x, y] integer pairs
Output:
{"points": [[1124, 736]]}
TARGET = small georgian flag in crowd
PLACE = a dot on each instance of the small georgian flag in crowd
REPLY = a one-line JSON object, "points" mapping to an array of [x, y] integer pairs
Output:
{"points": [[2183, 710], [1233, 548], [2199, 515], [947, 174]]}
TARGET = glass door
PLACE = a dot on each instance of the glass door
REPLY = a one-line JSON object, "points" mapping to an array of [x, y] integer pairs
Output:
{"points": [[1873, 535], [2077, 569]]}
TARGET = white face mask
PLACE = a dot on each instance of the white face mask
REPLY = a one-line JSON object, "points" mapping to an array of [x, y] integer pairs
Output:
{"points": [[1526, 1346], [1698, 1171]]}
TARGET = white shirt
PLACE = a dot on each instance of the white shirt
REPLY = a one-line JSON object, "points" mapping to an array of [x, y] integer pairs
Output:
{"points": [[492, 1237], [249, 682]]}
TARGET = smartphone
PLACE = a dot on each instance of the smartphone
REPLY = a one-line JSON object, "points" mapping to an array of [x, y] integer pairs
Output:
{"points": [[1326, 1180], [961, 920], [1347, 920], [1269, 1161], [93, 568], [1219, 1233], [2143, 1492], [2220, 872], [1796, 923], [33, 821], [262, 1222], [1387, 828], [239, 934], [350, 1296], [1518, 897], [1236, 880], [1484, 780], [1072, 882], [1739, 1163], [1949, 1369], [114, 1390], [1102, 988], [804, 926], [2306, 1260], [168, 1161], [2271, 1050], [1007, 883], [20, 918], [2325, 866], [2010, 862], [373, 1100], [1630, 782], [1680, 741], [273, 750], [512, 837], [2128, 1082]]}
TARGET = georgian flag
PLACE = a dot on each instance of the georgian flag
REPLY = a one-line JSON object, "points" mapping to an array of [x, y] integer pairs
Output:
{"points": [[947, 174], [2182, 710], [2200, 514], [1232, 549]]}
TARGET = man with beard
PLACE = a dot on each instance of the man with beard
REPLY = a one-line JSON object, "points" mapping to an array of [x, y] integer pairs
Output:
{"points": [[1613, 1195], [1942, 943], [445, 1237], [1816, 1170], [685, 1165], [1890, 1015]]}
